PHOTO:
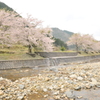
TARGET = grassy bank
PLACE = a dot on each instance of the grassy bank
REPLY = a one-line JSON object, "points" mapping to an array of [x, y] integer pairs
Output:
{"points": [[17, 52]]}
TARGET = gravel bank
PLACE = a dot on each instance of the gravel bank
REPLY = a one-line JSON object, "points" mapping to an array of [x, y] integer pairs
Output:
{"points": [[53, 83]]}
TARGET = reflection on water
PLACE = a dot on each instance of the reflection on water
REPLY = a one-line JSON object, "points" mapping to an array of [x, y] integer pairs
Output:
{"points": [[14, 74], [80, 95], [88, 94]]}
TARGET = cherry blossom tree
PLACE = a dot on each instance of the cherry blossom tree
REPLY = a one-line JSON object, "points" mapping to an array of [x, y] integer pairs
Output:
{"points": [[84, 43], [31, 33], [26, 31], [96, 46], [75, 39], [44, 39], [87, 42], [7, 22]]}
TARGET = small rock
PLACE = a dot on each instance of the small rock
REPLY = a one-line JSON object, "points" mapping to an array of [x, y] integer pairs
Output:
{"points": [[7, 98], [98, 85], [21, 86], [69, 94], [69, 81], [47, 79], [79, 78], [45, 96], [77, 88], [2, 87], [55, 86], [57, 97], [94, 81], [66, 78], [56, 78], [20, 97], [79, 97], [73, 76], [50, 87], [45, 90], [61, 78], [1, 92], [1, 78], [56, 93], [88, 86]]}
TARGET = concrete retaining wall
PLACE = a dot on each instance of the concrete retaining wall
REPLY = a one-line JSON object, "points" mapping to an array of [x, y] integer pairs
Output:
{"points": [[60, 60], [22, 63], [56, 54], [43, 62]]}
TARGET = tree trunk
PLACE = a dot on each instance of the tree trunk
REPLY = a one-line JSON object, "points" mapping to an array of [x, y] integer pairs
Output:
{"points": [[86, 51], [76, 47], [30, 49]]}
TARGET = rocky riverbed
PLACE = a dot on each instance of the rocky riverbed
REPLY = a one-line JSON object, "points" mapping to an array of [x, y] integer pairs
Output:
{"points": [[75, 82]]}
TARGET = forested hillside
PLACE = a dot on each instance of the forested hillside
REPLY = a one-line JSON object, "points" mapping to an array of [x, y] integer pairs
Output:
{"points": [[63, 35], [4, 6]]}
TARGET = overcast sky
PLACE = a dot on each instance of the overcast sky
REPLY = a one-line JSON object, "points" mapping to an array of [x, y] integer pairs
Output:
{"points": [[78, 16]]}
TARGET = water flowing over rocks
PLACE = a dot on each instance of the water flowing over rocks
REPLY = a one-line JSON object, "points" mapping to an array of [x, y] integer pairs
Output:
{"points": [[53, 84]]}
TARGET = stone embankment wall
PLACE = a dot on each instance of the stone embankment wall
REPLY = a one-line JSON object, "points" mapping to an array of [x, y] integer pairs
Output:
{"points": [[44, 62], [62, 60], [56, 54], [22, 63]]}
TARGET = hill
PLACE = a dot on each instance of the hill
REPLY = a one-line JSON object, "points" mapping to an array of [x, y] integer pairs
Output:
{"points": [[4, 6], [63, 35]]}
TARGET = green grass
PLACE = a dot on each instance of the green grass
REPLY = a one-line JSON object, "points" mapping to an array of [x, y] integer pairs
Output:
{"points": [[17, 52], [19, 56], [65, 51]]}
